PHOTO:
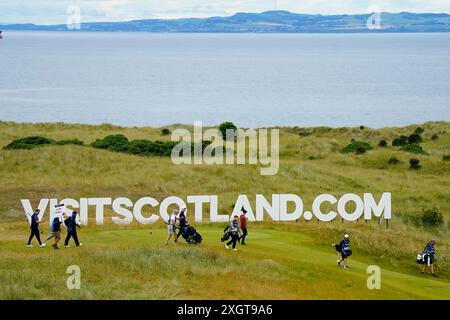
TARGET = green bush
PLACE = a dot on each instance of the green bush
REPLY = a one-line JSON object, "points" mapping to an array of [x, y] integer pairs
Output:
{"points": [[150, 148], [431, 218], [414, 138], [383, 143], [419, 131], [413, 148], [29, 143], [358, 147], [446, 157], [165, 132], [226, 126], [414, 164], [393, 160], [116, 142], [70, 141], [434, 137], [400, 141]]}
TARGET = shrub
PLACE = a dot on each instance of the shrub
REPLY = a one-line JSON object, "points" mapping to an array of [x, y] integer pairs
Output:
{"points": [[357, 147], [28, 143], [413, 148], [165, 132], [362, 127], [401, 141], [383, 144], [414, 164], [431, 218], [414, 138], [70, 141], [446, 157], [434, 137], [304, 133], [419, 131], [393, 160], [149, 148], [226, 126], [116, 142]]}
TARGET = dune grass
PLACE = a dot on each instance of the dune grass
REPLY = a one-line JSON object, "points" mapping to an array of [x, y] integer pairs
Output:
{"points": [[290, 260]]}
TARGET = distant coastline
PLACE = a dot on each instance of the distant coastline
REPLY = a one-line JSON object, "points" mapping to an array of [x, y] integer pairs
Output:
{"points": [[265, 22]]}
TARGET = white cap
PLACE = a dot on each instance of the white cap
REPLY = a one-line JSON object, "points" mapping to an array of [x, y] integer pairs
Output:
{"points": [[346, 236]]}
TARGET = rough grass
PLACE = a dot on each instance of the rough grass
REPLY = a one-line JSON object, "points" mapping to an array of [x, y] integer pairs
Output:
{"points": [[310, 165]]}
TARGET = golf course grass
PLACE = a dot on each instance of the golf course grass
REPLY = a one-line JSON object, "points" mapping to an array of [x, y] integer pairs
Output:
{"points": [[282, 260], [135, 264]]}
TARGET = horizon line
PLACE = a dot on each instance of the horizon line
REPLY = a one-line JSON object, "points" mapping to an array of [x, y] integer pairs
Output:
{"points": [[224, 16]]}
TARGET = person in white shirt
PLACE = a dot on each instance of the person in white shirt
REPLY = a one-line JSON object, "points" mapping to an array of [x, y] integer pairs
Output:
{"points": [[171, 227]]}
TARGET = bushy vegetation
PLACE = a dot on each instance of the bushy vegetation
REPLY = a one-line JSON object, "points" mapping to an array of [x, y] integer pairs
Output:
{"points": [[383, 143], [400, 141], [414, 164], [432, 218], [165, 132], [70, 141], [357, 147], [446, 157], [226, 126], [393, 161], [29, 143], [413, 148], [120, 143]]}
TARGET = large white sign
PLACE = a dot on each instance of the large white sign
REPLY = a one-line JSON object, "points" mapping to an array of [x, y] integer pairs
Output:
{"points": [[281, 207]]}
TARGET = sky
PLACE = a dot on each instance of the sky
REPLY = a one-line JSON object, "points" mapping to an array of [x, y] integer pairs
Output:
{"points": [[55, 11]]}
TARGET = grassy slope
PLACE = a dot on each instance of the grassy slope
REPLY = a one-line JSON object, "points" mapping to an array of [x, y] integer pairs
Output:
{"points": [[298, 264]]}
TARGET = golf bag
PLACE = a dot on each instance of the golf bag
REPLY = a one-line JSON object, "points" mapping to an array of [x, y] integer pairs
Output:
{"points": [[337, 247], [191, 235], [226, 236], [420, 259]]}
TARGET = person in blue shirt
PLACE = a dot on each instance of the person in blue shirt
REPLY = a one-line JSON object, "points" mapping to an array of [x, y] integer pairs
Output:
{"points": [[234, 230], [429, 253], [344, 248], [72, 226], [35, 232]]}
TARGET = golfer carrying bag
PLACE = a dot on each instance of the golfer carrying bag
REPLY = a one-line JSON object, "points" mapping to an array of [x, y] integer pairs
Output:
{"points": [[234, 232], [344, 249]]}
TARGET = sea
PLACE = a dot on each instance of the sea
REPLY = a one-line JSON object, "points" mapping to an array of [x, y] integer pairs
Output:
{"points": [[253, 80]]}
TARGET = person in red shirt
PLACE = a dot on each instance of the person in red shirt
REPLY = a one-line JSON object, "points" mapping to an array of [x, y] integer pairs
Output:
{"points": [[243, 220]]}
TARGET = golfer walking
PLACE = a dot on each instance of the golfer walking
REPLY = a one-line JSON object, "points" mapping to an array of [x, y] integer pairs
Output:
{"points": [[55, 232], [344, 249], [429, 253], [233, 227], [171, 227], [35, 232], [243, 220], [72, 226]]}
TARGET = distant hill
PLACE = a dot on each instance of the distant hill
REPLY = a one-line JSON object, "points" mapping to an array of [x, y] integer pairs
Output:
{"points": [[269, 21]]}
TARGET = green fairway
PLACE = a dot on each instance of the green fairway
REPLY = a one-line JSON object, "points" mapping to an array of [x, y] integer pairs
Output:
{"points": [[134, 263]]}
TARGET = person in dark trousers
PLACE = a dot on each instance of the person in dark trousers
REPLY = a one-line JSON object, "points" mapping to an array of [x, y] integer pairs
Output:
{"points": [[72, 226], [233, 227], [55, 232], [429, 253], [344, 249], [182, 223], [243, 220], [35, 232]]}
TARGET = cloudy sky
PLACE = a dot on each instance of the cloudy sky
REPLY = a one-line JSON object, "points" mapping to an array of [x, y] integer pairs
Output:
{"points": [[54, 11]]}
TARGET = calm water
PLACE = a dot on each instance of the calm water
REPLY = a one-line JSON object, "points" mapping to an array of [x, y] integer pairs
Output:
{"points": [[137, 79]]}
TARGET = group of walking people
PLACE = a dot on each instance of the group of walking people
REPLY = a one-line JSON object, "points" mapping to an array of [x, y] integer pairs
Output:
{"points": [[426, 257], [234, 233], [70, 221]]}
